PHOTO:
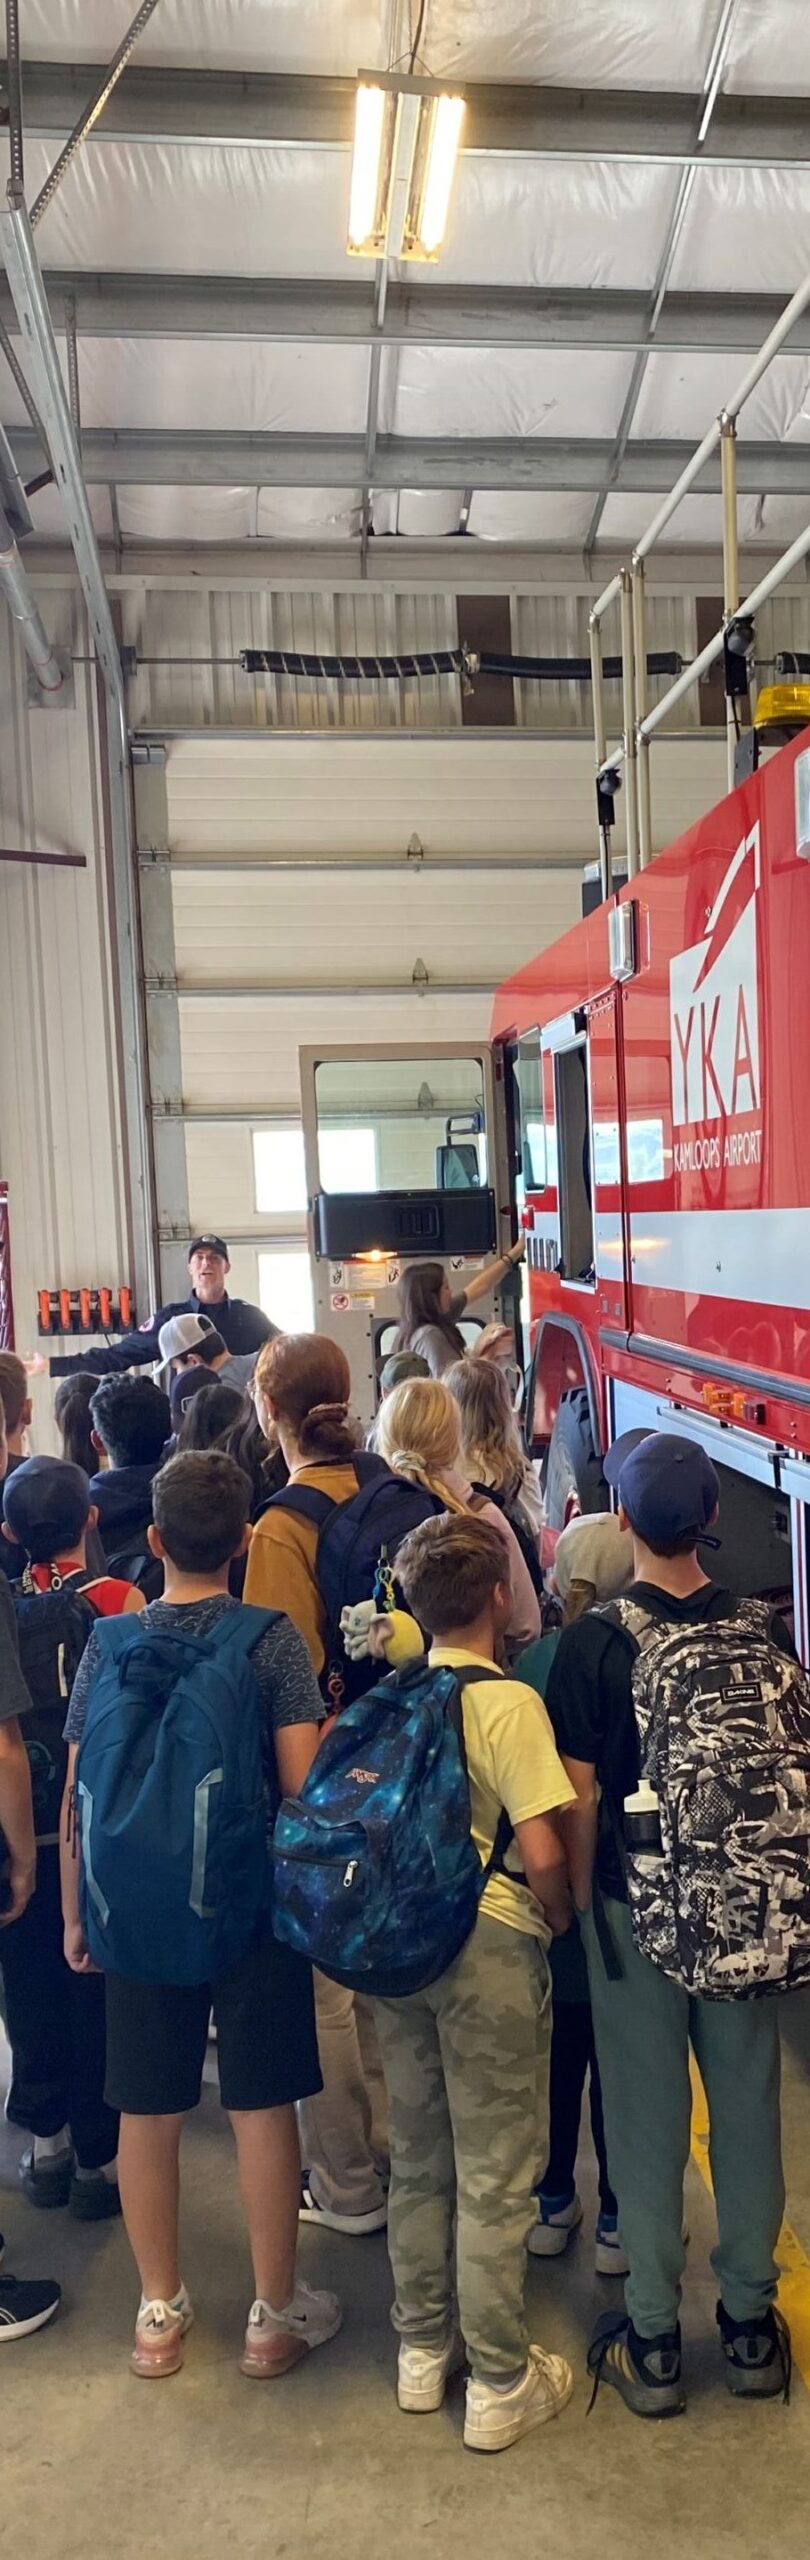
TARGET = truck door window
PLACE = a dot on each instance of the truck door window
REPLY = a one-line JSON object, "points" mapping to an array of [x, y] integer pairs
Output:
{"points": [[573, 1117], [400, 1124], [530, 1116]]}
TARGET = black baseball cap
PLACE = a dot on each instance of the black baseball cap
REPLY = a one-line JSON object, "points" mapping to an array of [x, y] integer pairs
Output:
{"points": [[211, 1244], [666, 1484], [46, 1504]]}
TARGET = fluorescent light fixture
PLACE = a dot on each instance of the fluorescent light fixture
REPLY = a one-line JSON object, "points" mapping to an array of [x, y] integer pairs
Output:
{"points": [[375, 117], [407, 134], [432, 173]]}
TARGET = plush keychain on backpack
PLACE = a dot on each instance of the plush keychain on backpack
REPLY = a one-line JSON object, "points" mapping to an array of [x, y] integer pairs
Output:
{"points": [[357, 1622]]}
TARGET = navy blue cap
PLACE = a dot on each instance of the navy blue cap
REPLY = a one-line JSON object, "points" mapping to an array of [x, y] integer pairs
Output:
{"points": [[209, 1244], [46, 1504], [187, 1384], [666, 1484]]}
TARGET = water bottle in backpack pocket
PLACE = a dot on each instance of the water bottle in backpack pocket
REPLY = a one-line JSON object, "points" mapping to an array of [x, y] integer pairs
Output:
{"points": [[171, 1802], [720, 1898], [377, 1879]]}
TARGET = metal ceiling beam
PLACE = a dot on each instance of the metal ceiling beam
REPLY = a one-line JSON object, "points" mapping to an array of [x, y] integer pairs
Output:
{"points": [[177, 306], [158, 103], [187, 457]]}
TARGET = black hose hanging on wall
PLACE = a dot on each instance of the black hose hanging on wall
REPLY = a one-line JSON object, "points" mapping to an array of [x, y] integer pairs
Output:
{"points": [[466, 663]]}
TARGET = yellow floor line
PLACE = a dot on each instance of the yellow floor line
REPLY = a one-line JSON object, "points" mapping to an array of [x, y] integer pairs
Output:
{"points": [[794, 2282]]}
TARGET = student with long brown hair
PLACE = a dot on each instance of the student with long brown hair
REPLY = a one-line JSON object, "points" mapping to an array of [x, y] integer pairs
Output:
{"points": [[302, 1389], [430, 1315]]}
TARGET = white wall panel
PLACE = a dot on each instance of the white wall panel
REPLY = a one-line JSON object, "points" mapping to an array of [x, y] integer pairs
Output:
{"points": [[517, 796], [60, 1145], [310, 929]]}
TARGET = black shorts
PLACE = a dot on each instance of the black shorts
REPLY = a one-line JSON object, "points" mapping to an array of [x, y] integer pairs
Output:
{"points": [[267, 2049]]}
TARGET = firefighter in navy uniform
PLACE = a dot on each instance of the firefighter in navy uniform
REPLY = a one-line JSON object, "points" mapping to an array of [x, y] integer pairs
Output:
{"points": [[242, 1326]]}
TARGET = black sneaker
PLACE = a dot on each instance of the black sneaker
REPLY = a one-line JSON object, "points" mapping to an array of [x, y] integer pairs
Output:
{"points": [[646, 2372], [757, 2355], [25, 2307], [46, 2182], [94, 2199]]}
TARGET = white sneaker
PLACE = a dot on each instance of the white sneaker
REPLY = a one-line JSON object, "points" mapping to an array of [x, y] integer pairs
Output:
{"points": [[277, 2340], [354, 2225], [159, 2332], [495, 2419], [551, 2232], [423, 2374]]}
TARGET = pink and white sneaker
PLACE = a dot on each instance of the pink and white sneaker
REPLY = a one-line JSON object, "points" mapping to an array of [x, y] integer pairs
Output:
{"points": [[277, 2340], [160, 2329]]}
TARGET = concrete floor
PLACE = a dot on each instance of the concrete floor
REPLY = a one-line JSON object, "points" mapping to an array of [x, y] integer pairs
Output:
{"points": [[322, 2466]]}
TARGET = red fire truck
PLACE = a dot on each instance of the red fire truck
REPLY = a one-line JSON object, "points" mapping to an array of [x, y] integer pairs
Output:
{"points": [[662, 1056]]}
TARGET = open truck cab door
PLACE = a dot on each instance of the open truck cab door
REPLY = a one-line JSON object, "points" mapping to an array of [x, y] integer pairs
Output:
{"points": [[409, 1155], [570, 1146]]}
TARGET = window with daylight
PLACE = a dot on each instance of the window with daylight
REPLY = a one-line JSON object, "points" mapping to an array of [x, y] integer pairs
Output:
{"points": [[278, 1169], [348, 1162], [285, 1288]]}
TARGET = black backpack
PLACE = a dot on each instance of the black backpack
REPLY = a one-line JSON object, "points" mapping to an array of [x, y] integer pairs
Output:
{"points": [[138, 1565], [358, 1541], [52, 1629]]}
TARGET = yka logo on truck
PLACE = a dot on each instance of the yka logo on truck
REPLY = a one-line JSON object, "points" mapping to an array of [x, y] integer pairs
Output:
{"points": [[714, 1025]]}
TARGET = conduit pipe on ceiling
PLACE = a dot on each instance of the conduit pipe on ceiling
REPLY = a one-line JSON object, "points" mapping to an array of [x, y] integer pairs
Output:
{"points": [[14, 585]]}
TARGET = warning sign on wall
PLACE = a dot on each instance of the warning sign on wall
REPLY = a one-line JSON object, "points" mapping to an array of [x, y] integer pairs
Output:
{"points": [[340, 1302]]}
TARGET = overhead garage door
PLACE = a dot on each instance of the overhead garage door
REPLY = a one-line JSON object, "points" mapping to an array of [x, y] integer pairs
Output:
{"points": [[282, 906]]}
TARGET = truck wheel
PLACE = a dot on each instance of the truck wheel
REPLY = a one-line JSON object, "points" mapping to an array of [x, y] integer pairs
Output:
{"points": [[573, 1479]]}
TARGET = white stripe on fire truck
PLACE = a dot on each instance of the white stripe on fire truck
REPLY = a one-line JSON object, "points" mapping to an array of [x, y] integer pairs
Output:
{"points": [[761, 1256]]}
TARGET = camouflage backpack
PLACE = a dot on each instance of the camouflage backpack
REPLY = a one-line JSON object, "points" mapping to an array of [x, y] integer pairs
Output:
{"points": [[724, 1727]]}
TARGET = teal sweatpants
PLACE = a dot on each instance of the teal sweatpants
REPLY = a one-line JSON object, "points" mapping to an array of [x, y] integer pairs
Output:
{"points": [[644, 2026]]}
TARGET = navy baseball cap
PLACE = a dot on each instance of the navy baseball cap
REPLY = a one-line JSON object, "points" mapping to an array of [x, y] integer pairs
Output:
{"points": [[666, 1484], [46, 1503], [187, 1384], [209, 1244]]}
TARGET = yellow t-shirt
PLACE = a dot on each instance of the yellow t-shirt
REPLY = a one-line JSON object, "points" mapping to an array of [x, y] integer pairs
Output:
{"points": [[283, 1549], [512, 1761]]}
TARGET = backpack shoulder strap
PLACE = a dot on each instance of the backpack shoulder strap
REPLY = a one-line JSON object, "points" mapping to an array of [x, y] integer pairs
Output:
{"points": [[632, 1620], [306, 1501], [118, 1635], [238, 1631], [369, 1466]]}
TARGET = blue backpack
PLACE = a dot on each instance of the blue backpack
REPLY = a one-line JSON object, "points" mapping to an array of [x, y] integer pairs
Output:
{"points": [[170, 1799], [376, 1878], [357, 1543]]}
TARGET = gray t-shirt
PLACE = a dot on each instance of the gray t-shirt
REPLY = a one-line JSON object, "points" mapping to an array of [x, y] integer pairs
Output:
{"points": [[15, 1698], [237, 1370], [433, 1343], [286, 1681]]}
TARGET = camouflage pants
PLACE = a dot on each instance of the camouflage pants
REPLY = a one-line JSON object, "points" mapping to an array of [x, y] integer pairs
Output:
{"points": [[466, 2068]]}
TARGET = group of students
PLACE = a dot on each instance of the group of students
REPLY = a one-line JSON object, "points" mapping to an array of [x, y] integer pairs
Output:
{"points": [[427, 2112]]}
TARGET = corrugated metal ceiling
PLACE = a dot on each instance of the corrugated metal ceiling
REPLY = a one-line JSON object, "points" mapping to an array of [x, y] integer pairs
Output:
{"points": [[191, 207]]}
